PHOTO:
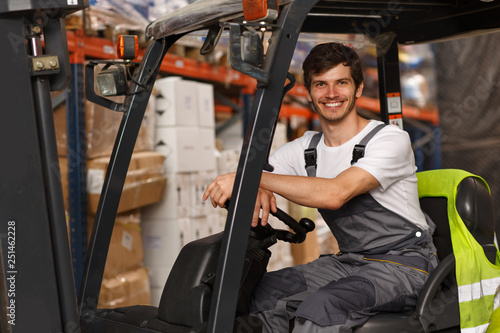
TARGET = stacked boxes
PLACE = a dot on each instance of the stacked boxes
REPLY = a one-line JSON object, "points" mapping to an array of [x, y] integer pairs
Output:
{"points": [[228, 162], [281, 251], [185, 136], [144, 183], [125, 279], [123, 283]]}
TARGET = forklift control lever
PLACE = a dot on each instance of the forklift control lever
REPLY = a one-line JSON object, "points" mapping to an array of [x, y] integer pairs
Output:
{"points": [[300, 228]]}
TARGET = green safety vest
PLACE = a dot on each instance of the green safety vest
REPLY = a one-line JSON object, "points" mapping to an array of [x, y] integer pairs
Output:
{"points": [[477, 278]]}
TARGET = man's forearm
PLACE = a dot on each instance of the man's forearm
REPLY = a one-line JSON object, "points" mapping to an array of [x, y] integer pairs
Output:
{"points": [[305, 191], [320, 192]]}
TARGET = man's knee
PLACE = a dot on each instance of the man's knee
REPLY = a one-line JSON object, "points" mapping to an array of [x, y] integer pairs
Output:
{"points": [[275, 286], [331, 304]]}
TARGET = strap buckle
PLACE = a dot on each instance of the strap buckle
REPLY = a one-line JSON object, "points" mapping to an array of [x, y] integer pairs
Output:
{"points": [[357, 153], [310, 157]]}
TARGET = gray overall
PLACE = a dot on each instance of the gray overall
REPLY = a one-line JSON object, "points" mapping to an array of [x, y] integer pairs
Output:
{"points": [[383, 264]]}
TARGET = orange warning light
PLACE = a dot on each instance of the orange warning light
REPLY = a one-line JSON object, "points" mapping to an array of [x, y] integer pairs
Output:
{"points": [[260, 10], [127, 47]]}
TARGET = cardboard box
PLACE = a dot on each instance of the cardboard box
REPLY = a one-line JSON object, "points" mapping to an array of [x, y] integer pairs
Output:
{"points": [[63, 168], [158, 276], [181, 148], [102, 127], [198, 184], [156, 293], [176, 200], [144, 184], [177, 103], [309, 250], [126, 289], [164, 239], [126, 250], [207, 159], [206, 112]]}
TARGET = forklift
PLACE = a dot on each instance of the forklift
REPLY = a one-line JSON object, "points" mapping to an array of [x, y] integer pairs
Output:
{"points": [[37, 285]]}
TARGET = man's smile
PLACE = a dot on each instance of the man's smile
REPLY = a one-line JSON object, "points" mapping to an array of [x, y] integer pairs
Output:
{"points": [[333, 104]]}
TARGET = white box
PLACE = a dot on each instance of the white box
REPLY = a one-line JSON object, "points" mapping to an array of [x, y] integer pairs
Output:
{"points": [[280, 137], [222, 218], [207, 177], [199, 182], [164, 239], [200, 227], [216, 222], [181, 148], [176, 102], [228, 161], [207, 157], [156, 293], [176, 200], [206, 113], [196, 194], [158, 276]]}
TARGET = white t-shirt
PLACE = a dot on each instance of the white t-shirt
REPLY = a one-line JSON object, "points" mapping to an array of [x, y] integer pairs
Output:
{"points": [[388, 157]]}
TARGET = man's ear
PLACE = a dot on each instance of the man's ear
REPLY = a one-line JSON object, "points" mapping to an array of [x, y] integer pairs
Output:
{"points": [[359, 92], [308, 95]]}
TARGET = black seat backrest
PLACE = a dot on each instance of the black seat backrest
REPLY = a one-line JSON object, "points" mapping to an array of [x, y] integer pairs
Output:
{"points": [[475, 207], [436, 208]]}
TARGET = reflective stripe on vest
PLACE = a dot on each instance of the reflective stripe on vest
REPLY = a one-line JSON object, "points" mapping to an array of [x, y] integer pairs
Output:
{"points": [[470, 292], [494, 326], [475, 296], [477, 278]]}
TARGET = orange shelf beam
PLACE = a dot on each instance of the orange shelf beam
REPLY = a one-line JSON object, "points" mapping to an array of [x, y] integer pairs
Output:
{"points": [[372, 104], [83, 47], [430, 115], [289, 110]]}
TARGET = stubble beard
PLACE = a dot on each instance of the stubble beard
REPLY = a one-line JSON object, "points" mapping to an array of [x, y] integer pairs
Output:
{"points": [[335, 118]]}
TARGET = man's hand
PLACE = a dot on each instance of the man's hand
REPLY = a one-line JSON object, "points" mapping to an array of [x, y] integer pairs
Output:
{"points": [[220, 190], [267, 201]]}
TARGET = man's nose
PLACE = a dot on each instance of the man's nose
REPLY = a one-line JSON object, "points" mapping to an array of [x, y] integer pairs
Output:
{"points": [[332, 92]]}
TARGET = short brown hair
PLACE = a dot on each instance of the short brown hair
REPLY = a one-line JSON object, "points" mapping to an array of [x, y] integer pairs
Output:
{"points": [[328, 55]]}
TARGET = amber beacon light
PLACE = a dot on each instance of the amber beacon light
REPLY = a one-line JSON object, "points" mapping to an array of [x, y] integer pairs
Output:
{"points": [[260, 10], [127, 47]]}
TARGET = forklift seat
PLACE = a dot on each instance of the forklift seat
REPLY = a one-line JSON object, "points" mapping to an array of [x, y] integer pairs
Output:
{"points": [[437, 305]]}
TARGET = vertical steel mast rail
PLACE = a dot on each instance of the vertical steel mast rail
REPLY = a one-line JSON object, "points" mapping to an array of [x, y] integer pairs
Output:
{"points": [[37, 271], [265, 111], [134, 107]]}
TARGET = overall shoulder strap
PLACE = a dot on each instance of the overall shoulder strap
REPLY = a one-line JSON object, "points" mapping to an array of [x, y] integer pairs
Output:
{"points": [[310, 155], [359, 149]]}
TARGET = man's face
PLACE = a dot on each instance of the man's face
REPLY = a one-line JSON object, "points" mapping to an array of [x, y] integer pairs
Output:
{"points": [[333, 94]]}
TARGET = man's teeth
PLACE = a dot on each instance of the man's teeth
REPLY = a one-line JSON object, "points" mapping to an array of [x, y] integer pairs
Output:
{"points": [[333, 105]]}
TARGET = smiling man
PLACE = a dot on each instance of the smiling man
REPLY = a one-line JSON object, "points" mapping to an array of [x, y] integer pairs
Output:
{"points": [[360, 174]]}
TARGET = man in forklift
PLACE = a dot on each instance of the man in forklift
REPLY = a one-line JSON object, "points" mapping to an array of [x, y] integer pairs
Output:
{"points": [[360, 175]]}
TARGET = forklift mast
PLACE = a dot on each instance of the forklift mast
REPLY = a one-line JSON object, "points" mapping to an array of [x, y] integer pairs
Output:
{"points": [[37, 284]]}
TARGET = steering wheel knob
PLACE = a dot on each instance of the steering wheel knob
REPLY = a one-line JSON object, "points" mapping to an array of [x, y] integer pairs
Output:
{"points": [[307, 224]]}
